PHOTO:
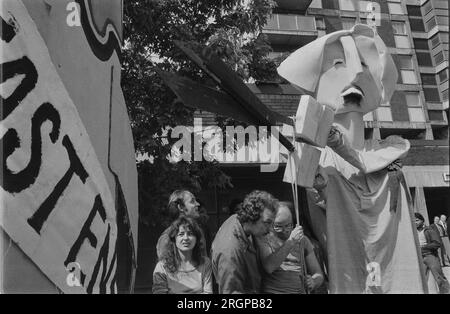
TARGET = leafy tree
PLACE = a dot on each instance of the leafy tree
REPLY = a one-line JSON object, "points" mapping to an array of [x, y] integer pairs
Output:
{"points": [[232, 28]]}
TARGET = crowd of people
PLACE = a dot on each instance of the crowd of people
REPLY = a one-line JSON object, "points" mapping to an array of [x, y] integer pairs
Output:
{"points": [[259, 249], [431, 239]]}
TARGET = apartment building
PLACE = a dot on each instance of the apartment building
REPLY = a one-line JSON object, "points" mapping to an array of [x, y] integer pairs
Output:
{"points": [[416, 34]]}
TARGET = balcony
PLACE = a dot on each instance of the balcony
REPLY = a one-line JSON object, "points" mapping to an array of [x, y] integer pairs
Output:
{"points": [[293, 5], [290, 30]]}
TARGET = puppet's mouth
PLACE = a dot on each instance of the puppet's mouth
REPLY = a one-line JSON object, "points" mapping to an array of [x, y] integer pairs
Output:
{"points": [[352, 94]]}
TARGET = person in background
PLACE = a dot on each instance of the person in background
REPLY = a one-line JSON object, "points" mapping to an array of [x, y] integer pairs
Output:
{"points": [[445, 237], [288, 257], [443, 222], [235, 261], [181, 203], [182, 267], [234, 206], [429, 244], [439, 230]]}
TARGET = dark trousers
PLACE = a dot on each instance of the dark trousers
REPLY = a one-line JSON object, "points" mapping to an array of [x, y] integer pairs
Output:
{"points": [[445, 259], [432, 263]]}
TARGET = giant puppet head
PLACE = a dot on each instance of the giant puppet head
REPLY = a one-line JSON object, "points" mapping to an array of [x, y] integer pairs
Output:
{"points": [[348, 70]]}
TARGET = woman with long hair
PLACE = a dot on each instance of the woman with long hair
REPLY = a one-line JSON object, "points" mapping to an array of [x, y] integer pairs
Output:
{"points": [[183, 268], [181, 203]]}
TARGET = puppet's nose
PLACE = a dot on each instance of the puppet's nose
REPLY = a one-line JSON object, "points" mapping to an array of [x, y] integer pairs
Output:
{"points": [[352, 58]]}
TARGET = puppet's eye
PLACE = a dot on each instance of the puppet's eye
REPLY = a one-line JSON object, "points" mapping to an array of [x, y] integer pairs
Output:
{"points": [[338, 61]]}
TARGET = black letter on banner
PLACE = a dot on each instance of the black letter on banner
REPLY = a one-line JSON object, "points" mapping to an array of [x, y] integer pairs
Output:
{"points": [[17, 182], [86, 232], [11, 69], [102, 260], [41, 215], [8, 31]]}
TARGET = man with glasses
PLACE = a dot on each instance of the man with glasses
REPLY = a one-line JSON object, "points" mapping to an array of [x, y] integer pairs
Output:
{"points": [[234, 256], [288, 257]]}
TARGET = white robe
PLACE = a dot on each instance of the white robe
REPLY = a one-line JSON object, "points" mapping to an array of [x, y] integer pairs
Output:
{"points": [[363, 218]]}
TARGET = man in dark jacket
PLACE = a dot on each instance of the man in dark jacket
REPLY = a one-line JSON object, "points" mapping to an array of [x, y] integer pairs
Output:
{"points": [[430, 243], [235, 260]]}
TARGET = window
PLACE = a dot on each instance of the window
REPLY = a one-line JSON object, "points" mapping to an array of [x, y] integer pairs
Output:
{"points": [[439, 57], [435, 40], [384, 114], [443, 76], [400, 35], [431, 94], [351, 5], [405, 62], [320, 23], [316, 4], [413, 99], [402, 41], [395, 8], [435, 115], [272, 22], [416, 115], [427, 7], [399, 28], [416, 25], [424, 59], [413, 10], [407, 70], [420, 43], [428, 79], [445, 95], [348, 22], [431, 23], [408, 77], [287, 22]]}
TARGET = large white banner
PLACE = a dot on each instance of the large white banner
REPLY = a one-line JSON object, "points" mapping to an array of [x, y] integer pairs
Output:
{"points": [[55, 200]]}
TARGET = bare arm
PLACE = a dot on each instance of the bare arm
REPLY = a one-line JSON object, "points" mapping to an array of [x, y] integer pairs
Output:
{"points": [[272, 260], [313, 267], [393, 148]]}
